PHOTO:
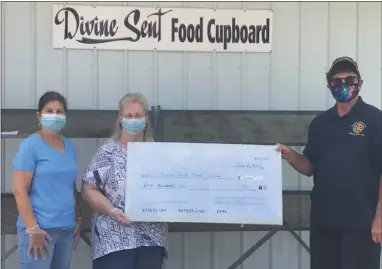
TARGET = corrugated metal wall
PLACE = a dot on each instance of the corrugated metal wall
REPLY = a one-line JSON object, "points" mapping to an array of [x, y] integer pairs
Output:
{"points": [[306, 38]]}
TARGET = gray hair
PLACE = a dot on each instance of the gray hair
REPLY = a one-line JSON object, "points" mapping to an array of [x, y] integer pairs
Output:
{"points": [[133, 98]]}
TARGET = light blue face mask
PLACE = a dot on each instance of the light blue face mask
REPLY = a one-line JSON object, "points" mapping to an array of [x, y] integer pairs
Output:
{"points": [[53, 122], [134, 126]]}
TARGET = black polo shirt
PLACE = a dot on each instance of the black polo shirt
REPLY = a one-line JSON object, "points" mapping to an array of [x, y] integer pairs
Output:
{"points": [[347, 155]]}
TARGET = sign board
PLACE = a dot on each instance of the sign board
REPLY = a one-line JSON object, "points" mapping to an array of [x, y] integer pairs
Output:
{"points": [[164, 29]]}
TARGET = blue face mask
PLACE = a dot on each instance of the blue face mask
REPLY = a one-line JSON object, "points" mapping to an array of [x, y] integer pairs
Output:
{"points": [[345, 93], [53, 122], [134, 126]]}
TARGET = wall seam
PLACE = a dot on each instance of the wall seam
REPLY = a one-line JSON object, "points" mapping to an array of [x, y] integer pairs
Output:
{"points": [[33, 31], [212, 250], [357, 33], [241, 69], [328, 53], [184, 250], [95, 79], [214, 74], [3, 63], [272, 7], [299, 178], [185, 74], [299, 54], [242, 89], [185, 80], [126, 67], [64, 74], [243, 76], [2, 142], [95, 75], [270, 61], [155, 77]]}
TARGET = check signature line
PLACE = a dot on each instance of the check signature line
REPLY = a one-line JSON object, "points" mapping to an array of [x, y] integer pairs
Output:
{"points": [[180, 177], [198, 189]]}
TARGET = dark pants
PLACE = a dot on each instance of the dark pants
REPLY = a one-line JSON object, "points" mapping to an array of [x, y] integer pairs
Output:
{"points": [[343, 249], [138, 258]]}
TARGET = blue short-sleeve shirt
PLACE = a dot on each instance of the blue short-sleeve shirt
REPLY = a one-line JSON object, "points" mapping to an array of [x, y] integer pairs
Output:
{"points": [[54, 174]]}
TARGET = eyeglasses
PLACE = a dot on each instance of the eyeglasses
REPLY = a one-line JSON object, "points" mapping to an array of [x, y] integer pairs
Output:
{"points": [[350, 80]]}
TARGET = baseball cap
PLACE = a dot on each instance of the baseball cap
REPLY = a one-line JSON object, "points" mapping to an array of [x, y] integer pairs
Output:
{"points": [[342, 64]]}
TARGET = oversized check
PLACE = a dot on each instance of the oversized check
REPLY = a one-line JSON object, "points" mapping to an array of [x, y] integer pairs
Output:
{"points": [[210, 183]]}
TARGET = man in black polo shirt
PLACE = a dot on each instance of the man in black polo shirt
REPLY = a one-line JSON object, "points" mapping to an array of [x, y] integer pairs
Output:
{"points": [[344, 155]]}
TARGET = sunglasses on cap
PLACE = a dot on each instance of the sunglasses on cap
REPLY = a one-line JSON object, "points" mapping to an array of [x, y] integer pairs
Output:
{"points": [[350, 80]]}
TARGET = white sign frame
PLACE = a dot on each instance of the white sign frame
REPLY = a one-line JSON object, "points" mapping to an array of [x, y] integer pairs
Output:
{"points": [[250, 26]]}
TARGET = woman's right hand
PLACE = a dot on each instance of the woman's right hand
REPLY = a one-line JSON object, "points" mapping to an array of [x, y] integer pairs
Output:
{"points": [[38, 241], [119, 216]]}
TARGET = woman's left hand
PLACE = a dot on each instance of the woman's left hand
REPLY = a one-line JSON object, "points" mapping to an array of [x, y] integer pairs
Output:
{"points": [[77, 232]]}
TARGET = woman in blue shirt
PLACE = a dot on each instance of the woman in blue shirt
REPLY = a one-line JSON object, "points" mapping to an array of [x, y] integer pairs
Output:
{"points": [[44, 173]]}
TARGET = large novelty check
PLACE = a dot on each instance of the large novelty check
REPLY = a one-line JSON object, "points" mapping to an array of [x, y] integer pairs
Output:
{"points": [[210, 183]]}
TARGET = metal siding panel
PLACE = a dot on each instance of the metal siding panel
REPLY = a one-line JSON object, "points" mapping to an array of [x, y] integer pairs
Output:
{"points": [[227, 248], [285, 56], [229, 5], [314, 63], [255, 81], [313, 53], [176, 257], [198, 250], [80, 79], [284, 93], [229, 88], [19, 30], [342, 42], [85, 149], [13, 261], [81, 257], [261, 258], [171, 66], [10, 148], [2, 53], [201, 4], [141, 74], [304, 256], [290, 177], [284, 251], [369, 50], [49, 61], [256, 73], [2, 151], [199, 81], [110, 75]]}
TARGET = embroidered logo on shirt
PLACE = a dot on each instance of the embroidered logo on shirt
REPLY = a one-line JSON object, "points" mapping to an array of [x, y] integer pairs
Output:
{"points": [[358, 128]]}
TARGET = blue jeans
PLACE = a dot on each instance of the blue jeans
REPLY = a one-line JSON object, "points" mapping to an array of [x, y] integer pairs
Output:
{"points": [[60, 254]]}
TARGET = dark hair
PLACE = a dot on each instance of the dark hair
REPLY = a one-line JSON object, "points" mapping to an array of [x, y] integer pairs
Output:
{"points": [[49, 97]]}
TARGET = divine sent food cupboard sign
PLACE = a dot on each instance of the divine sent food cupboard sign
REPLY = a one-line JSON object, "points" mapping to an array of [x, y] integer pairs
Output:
{"points": [[165, 29]]}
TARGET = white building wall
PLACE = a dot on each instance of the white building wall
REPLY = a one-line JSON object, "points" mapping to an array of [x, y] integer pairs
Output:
{"points": [[306, 38]]}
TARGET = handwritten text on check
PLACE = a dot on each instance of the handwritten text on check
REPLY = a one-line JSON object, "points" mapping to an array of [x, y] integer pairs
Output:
{"points": [[211, 183]]}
